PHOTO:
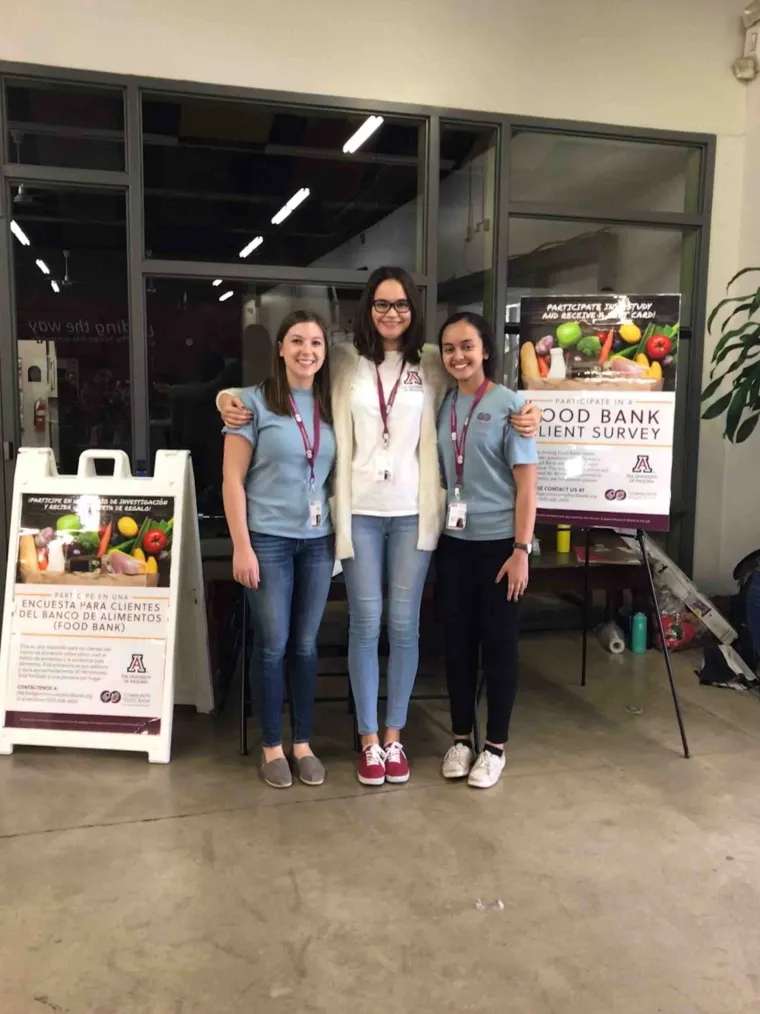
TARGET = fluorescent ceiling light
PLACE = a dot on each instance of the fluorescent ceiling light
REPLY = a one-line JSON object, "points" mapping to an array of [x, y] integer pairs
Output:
{"points": [[291, 206], [55, 286], [253, 245], [366, 130], [226, 296], [217, 281], [43, 267], [19, 233]]}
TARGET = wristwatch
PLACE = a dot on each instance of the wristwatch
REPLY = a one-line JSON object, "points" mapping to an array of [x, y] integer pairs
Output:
{"points": [[527, 547]]}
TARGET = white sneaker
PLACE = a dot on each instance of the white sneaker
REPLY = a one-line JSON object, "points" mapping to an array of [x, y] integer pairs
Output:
{"points": [[458, 761], [486, 770]]}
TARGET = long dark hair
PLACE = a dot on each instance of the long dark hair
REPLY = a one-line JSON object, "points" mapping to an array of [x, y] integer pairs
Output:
{"points": [[367, 341], [483, 328], [276, 388]]}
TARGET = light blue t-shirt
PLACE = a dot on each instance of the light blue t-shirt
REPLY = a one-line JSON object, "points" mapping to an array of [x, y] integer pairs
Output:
{"points": [[277, 485], [492, 449]]}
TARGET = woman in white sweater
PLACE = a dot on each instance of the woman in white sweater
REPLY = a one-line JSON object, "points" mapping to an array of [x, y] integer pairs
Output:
{"points": [[388, 505]]}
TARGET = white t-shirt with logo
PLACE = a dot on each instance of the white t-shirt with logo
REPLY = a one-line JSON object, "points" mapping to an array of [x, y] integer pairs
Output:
{"points": [[370, 495]]}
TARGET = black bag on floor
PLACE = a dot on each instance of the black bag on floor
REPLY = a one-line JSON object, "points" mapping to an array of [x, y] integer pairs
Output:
{"points": [[744, 571]]}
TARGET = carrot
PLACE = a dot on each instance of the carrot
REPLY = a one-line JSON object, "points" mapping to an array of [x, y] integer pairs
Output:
{"points": [[543, 366], [607, 347], [106, 539]]}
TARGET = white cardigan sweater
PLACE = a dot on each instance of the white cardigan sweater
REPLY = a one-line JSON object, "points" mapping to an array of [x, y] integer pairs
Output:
{"points": [[344, 360]]}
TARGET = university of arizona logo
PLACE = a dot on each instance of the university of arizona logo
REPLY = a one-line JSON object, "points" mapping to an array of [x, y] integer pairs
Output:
{"points": [[137, 664], [642, 464], [412, 379]]}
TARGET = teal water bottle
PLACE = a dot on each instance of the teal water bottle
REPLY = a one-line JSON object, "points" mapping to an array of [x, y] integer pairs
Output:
{"points": [[639, 634]]}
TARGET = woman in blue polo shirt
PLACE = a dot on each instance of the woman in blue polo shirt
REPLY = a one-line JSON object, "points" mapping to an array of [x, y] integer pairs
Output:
{"points": [[482, 564], [276, 468]]}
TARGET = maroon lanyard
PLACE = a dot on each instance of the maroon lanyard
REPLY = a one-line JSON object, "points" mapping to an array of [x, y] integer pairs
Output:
{"points": [[459, 442], [385, 409], [311, 450]]}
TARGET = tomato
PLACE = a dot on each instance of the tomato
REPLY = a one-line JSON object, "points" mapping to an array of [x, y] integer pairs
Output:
{"points": [[154, 541], [659, 346]]}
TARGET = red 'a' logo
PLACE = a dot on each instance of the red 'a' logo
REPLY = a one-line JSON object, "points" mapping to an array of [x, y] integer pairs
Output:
{"points": [[642, 464], [137, 664]]}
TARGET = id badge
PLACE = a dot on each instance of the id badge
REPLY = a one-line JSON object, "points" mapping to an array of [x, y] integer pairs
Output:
{"points": [[383, 467], [456, 516], [315, 513]]}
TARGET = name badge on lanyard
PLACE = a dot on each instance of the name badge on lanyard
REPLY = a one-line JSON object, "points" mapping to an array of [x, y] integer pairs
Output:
{"points": [[312, 450], [456, 514], [383, 458]]}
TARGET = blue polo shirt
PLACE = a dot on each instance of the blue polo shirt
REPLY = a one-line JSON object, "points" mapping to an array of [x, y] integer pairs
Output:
{"points": [[492, 450], [277, 486]]}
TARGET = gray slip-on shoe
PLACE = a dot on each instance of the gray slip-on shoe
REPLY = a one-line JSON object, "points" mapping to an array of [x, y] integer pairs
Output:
{"points": [[310, 770], [277, 773]]}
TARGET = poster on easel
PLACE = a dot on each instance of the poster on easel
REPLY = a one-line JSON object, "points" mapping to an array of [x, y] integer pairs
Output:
{"points": [[104, 604], [603, 370]]}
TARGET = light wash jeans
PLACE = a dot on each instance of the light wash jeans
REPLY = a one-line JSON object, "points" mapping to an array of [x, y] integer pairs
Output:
{"points": [[287, 610], [384, 548]]}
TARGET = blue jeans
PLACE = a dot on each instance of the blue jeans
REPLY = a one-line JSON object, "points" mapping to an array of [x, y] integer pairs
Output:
{"points": [[384, 545], [287, 608]]}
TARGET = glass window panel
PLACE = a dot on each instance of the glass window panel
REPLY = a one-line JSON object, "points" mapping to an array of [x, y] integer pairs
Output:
{"points": [[217, 173], [65, 125], [204, 337], [72, 321], [573, 257], [466, 218], [598, 172]]}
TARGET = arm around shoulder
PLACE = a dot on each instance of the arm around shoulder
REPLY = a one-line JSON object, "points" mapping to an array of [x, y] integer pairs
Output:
{"points": [[231, 392]]}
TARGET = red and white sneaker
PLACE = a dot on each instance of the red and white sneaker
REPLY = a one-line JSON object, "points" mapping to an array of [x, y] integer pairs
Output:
{"points": [[396, 764], [371, 769]]}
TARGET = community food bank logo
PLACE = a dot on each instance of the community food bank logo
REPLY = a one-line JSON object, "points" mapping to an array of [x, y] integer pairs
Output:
{"points": [[642, 466], [615, 494]]}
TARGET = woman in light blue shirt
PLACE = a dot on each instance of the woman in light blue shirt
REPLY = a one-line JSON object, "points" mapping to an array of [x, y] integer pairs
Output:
{"points": [[276, 469], [482, 565]]}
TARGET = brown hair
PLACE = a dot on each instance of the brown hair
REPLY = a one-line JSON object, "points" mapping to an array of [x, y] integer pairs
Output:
{"points": [[483, 328], [275, 387], [367, 341]]}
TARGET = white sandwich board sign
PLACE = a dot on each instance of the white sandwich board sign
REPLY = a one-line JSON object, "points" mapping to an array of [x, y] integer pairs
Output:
{"points": [[104, 606]]}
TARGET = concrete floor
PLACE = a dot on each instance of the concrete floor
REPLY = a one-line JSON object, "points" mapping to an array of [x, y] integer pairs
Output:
{"points": [[629, 876]]}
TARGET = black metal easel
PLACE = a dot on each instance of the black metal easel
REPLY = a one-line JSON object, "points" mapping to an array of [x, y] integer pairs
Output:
{"points": [[658, 615]]}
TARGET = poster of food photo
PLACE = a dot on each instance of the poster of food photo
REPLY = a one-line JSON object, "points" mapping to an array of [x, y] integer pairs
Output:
{"points": [[95, 541], [91, 613], [603, 369]]}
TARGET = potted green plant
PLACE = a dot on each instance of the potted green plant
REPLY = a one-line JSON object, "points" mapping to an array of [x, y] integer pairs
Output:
{"points": [[736, 360]]}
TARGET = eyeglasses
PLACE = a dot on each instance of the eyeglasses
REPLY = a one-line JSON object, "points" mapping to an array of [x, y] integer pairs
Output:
{"points": [[383, 306]]}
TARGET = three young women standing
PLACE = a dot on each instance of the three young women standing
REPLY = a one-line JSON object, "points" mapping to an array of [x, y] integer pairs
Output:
{"points": [[388, 505]]}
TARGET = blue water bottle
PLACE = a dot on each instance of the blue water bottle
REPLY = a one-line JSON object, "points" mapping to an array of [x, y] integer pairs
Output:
{"points": [[639, 634]]}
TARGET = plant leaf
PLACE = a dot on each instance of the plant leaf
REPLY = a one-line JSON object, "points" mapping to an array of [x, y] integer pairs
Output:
{"points": [[735, 409], [724, 302], [744, 271], [748, 351], [717, 407], [710, 390], [746, 429], [748, 332], [741, 308]]}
